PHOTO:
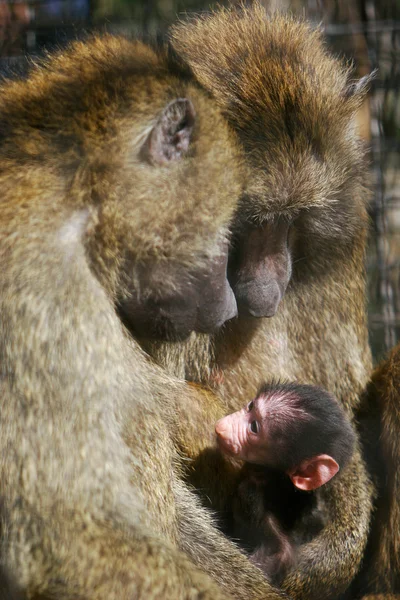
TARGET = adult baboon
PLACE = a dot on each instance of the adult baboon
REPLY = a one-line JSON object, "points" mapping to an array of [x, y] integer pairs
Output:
{"points": [[115, 192], [301, 227]]}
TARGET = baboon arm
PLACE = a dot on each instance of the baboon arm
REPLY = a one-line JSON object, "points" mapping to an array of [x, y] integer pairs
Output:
{"points": [[341, 543], [191, 411], [93, 560], [380, 434], [381, 597], [206, 468]]}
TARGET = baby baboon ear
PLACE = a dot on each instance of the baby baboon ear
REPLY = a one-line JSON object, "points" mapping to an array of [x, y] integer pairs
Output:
{"points": [[314, 472], [170, 137]]}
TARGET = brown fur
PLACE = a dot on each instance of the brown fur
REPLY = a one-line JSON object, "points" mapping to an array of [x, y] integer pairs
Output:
{"points": [[379, 418], [292, 106], [381, 597], [92, 504]]}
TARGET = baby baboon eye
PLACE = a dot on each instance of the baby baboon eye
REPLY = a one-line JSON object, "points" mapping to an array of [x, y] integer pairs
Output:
{"points": [[250, 406], [254, 427]]}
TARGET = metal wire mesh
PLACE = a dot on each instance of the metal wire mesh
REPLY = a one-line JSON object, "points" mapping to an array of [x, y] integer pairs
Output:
{"points": [[364, 31]]}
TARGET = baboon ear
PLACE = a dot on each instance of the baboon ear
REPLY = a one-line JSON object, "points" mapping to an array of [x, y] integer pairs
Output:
{"points": [[314, 472], [170, 137]]}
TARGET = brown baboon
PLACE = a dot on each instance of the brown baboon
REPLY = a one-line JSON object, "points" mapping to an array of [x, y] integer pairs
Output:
{"points": [[300, 230], [115, 194], [379, 424]]}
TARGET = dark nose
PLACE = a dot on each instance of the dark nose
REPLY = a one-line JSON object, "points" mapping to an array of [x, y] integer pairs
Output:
{"points": [[231, 309], [220, 308], [258, 300]]}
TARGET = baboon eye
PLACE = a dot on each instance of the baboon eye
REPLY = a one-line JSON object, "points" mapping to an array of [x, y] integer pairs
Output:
{"points": [[254, 427], [250, 406]]}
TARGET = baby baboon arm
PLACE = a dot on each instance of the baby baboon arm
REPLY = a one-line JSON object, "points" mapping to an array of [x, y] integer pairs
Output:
{"points": [[341, 543]]}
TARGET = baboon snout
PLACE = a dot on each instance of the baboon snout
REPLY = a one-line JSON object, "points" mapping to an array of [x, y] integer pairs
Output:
{"points": [[227, 433], [218, 309], [260, 268], [216, 300], [258, 300]]}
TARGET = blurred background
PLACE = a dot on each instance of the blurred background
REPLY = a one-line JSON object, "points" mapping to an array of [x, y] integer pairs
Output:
{"points": [[366, 32]]}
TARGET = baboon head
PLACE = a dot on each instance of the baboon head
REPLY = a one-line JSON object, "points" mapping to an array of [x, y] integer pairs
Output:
{"points": [[150, 163], [292, 106]]}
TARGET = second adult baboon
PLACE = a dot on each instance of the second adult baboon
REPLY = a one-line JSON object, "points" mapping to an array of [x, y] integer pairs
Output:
{"points": [[115, 196], [298, 250]]}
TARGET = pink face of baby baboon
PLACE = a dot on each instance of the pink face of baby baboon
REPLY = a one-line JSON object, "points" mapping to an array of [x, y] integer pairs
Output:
{"points": [[252, 434], [244, 433]]}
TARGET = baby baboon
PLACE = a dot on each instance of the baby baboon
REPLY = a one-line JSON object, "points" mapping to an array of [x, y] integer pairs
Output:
{"points": [[294, 438], [116, 196], [300, 230]]}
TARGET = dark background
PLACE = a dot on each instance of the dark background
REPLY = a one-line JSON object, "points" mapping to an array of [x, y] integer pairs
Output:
{"points": [[366, 32]]}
